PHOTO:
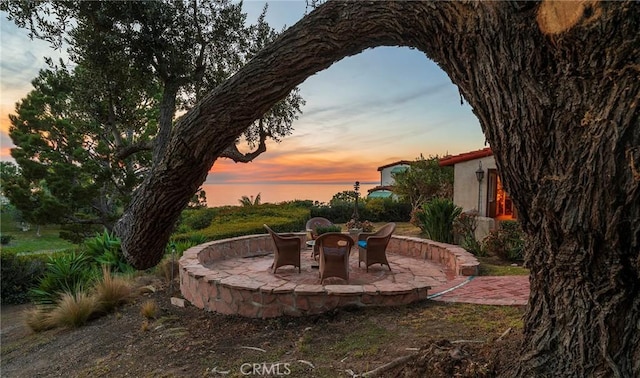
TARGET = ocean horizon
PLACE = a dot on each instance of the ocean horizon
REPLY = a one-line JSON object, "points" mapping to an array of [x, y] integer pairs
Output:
{"points": [[230, 194]]}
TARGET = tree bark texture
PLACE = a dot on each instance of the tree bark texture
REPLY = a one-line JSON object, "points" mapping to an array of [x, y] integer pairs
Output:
{"points": [[558, 103]]}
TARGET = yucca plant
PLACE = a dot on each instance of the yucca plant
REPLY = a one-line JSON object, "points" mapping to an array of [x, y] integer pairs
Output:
{"points": [[436, 219], [68, 273]]}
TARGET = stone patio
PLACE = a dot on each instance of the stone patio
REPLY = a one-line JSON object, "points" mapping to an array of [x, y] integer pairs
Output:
{"points": [[232, 276]]}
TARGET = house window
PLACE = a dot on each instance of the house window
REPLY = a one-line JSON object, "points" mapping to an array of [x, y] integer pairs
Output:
{"points": [[499, 204]]}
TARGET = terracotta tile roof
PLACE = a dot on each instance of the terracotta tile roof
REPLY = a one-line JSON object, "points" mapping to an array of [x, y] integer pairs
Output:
{"points": [[385, 187], [401, 162], [455, 159]]}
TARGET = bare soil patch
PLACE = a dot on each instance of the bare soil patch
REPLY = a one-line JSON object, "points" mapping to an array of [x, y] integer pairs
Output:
{"points": [[428, 339]]}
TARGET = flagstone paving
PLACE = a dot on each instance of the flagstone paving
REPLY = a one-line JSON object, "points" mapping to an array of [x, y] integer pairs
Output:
{"points": [[234, 277]]}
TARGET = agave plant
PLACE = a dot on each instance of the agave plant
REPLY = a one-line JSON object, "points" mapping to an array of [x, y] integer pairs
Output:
{"points": [[105, 249]]}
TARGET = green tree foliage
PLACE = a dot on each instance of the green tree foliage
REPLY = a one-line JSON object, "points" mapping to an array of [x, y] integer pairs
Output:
{"points": [[344, 197], [89, 134], [35, 198], [199, 200], [424, 180]]}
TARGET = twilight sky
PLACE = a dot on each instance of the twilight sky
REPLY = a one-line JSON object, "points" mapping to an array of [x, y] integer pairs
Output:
{"points": [[383, 105]]}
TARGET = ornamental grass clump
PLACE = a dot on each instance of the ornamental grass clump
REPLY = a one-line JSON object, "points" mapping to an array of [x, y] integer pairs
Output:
{"points": [[111, 291], [149, 309], [37, 319], [73, 310]]}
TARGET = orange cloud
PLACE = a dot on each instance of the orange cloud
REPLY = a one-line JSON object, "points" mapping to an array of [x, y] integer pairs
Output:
{"points": [[296, 167]]}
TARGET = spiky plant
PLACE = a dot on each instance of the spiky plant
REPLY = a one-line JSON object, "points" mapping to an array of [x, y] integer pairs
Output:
{"points": [[149, 309], [246, 201], [37, 319], [437, 217], [111, 291], [73, 310], [68, 273]]}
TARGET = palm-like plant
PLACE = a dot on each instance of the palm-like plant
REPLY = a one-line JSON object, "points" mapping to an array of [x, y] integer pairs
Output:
{"points": [[250, 201], [436, 219]]}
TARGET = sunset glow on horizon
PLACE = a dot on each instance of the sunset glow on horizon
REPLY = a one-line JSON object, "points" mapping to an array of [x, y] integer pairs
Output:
{"points": [[381, 106]]}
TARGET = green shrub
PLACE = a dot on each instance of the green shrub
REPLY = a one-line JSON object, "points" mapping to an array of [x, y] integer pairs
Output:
{"points": [[464, 232], [105, 249], [66, 273], [337, 213], [5, 239], [197, 219], [324, 229], [507, 242], [436, 219], [235, 221], [375, 210], [19, 274]]}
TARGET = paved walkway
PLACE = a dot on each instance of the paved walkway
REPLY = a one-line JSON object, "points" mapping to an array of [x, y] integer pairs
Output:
{"points": [[445, 287], [487, 290]]}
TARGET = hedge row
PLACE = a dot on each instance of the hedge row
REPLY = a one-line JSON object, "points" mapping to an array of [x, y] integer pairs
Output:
{"points": [[19, 274], [229, 222], [374, 210]]}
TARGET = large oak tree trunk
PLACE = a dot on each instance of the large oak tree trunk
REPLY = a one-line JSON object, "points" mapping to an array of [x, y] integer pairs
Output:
{"points": [[557, 96]]}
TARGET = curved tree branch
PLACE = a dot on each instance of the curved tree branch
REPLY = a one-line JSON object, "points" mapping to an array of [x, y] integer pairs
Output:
{"points": [[333, 31], [559, 104], [232, 152], [128, 150]]}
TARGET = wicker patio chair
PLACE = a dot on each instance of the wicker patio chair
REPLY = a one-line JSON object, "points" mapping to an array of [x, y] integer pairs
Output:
{"points": [[372, 246], [334, 249], [312, 231], [314, 223], [287, 249]]}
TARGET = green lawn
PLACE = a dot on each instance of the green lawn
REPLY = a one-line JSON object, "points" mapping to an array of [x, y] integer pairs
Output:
{"points": [[29, 241], [491, 266]]}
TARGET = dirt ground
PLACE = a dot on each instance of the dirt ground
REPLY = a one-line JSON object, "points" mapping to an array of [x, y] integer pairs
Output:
{"points": [[424, 339]]}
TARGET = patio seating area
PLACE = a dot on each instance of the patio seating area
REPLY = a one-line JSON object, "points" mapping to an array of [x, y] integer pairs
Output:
{"points": [[233, 276]]}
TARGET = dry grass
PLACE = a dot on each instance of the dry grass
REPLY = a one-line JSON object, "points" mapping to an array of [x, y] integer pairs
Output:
{"points": [[149, 309], [37, 319], [73, 311], [112, 292], [167, 267]]}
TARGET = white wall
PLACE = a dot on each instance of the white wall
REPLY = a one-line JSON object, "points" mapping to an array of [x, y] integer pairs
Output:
{"points": [[385, 175], [465, 191], [465, 184]]}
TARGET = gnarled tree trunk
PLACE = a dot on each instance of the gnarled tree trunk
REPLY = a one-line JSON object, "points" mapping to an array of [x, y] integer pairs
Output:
{"points": [[556, 90]]}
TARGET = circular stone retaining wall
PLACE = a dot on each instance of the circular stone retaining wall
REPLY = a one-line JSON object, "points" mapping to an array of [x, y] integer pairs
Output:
{"points": [[217, 291]]}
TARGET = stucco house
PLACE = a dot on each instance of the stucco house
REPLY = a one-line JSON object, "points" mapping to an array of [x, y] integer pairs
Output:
{"points": [[477, 186], [385, 189]]}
